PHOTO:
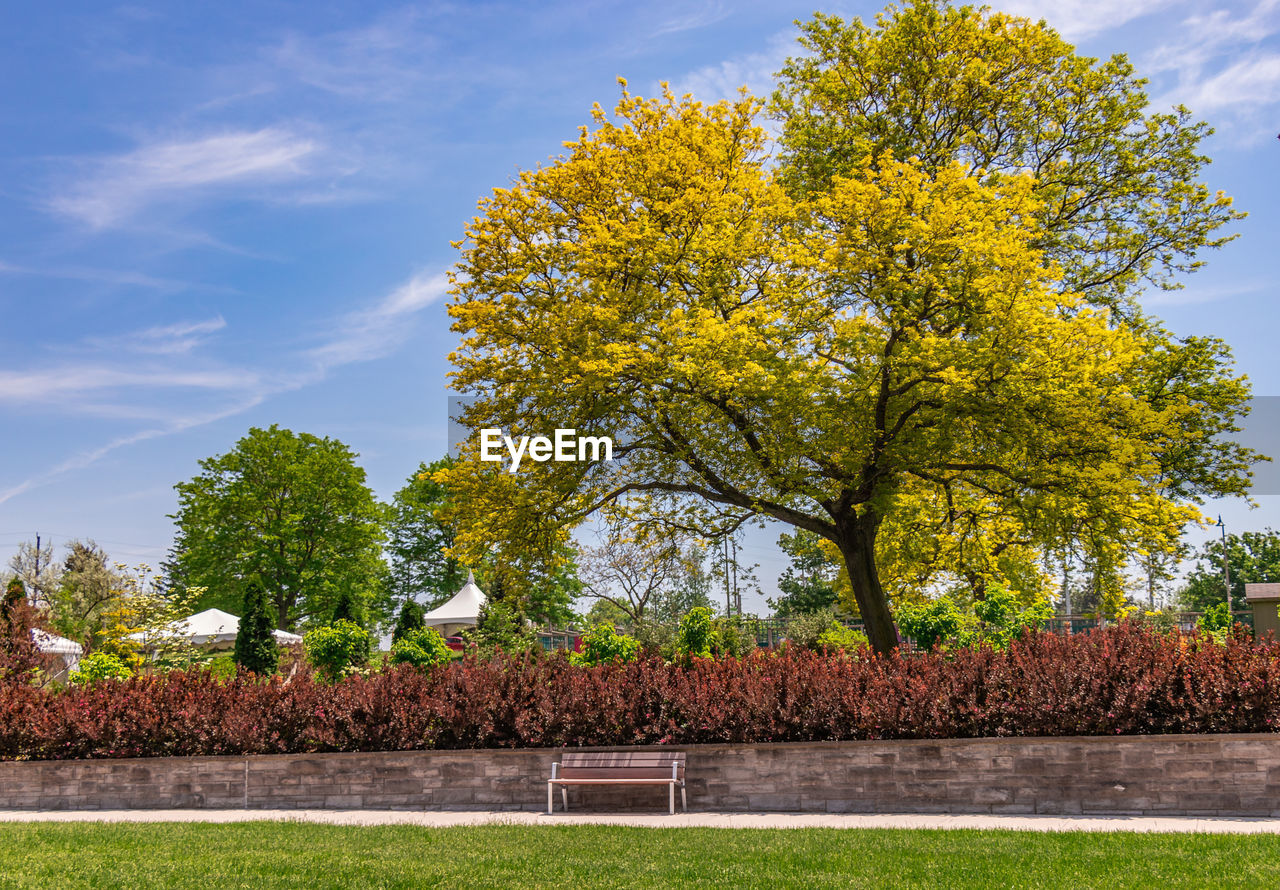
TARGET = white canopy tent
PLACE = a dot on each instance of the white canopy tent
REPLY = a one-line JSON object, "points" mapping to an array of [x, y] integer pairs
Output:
{"points": [[462, 609], [52, 644], [212, 628]]}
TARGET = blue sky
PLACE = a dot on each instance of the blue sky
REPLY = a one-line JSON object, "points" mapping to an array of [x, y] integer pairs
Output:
{"points": [[214, 216]]}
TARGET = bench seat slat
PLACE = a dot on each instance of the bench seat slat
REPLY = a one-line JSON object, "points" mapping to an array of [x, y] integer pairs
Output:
{"points": [[622, 759], [666, 781], [600, 772]]}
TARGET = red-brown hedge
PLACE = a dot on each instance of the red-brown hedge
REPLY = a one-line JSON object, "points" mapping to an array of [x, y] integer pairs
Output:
{"points": [[1123, 680]]}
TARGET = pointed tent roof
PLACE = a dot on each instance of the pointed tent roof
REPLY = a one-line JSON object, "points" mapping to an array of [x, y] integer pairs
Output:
{"points": [[462, 608]]}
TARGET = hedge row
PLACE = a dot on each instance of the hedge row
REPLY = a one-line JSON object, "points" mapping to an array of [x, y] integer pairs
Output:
{"points": [[1126, 679]]}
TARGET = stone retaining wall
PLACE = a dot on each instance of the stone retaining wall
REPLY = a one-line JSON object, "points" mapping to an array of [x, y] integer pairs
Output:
{"points": [[1229, 775]]}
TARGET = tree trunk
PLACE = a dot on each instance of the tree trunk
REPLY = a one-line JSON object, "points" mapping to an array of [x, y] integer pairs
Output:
{"points": [[857, 542]]}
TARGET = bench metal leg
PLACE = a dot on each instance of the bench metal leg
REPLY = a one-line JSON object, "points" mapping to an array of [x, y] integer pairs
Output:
{"points": [[550, 797], [684, 801], [672, 797], [564, 797]]}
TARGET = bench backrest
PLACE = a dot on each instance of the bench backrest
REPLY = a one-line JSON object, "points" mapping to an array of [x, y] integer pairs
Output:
{"points": [[622, 765]]}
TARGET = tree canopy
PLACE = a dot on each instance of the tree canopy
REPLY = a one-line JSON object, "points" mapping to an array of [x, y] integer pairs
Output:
{"points": [[419, 540], [290, 511], [1252, 558], [883, 327]]}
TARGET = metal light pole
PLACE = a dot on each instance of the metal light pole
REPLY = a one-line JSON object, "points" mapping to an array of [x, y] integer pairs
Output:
{"points": [[1226, 567]]}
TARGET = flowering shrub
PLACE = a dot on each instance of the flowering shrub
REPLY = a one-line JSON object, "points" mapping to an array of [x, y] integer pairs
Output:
{"points": [[1123, 680]]}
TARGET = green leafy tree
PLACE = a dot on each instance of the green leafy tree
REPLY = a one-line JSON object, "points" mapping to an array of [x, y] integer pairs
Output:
{"points": [[422, 647], [337, 650], [696, 635], [540, 586], [1252, 558], [88, 589], [346, 609], [500, 627], [408, 621], [419, 539], [808, 584], [291, 511], [602, 611], [256, 648]]}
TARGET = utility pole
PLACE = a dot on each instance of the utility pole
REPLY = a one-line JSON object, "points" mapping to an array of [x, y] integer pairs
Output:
{"points": [[737, 596], [1226, 566], [35, 576], [728, 601]]}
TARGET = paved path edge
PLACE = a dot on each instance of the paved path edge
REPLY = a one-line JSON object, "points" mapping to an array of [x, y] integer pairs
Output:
{"points": [[437, 819]]}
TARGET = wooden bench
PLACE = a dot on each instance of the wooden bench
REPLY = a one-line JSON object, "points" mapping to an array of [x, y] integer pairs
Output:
{"points": [[619, 768]]}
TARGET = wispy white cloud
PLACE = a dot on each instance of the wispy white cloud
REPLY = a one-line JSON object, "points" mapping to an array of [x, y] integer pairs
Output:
{"points": [[1204, 36], [380, 62], [1079, 19], [173, 339], [693, 17], [1216, 62], [1195, 294], [107, 276], [122, 392], [381, 329], [753, 70], [85, 459], [1252, 82], [118, 187], [48, 387]]}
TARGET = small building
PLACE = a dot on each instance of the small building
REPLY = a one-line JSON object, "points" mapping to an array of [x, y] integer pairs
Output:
{"points": [[1264, 600]]}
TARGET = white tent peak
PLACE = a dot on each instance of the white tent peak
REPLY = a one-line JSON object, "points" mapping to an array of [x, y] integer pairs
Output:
{"points": [[462, 609]]}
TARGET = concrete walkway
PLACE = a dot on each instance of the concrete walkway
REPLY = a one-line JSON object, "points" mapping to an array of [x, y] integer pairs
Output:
{"points": [[1211, 825]]}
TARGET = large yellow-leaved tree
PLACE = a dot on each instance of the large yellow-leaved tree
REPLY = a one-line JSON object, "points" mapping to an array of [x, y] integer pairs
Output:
{"points": [[901, 339]]}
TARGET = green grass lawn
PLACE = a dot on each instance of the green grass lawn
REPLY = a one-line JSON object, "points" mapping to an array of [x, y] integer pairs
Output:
{"points": [[274, 854]]}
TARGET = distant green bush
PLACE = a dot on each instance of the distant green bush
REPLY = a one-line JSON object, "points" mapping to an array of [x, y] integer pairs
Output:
{"points": [[603, 644], [423, 647], [838, 638], [1004, 618], [821, 631], [934, 622], [500, 628], [337, 649], [97, 666], [694, 637]]}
